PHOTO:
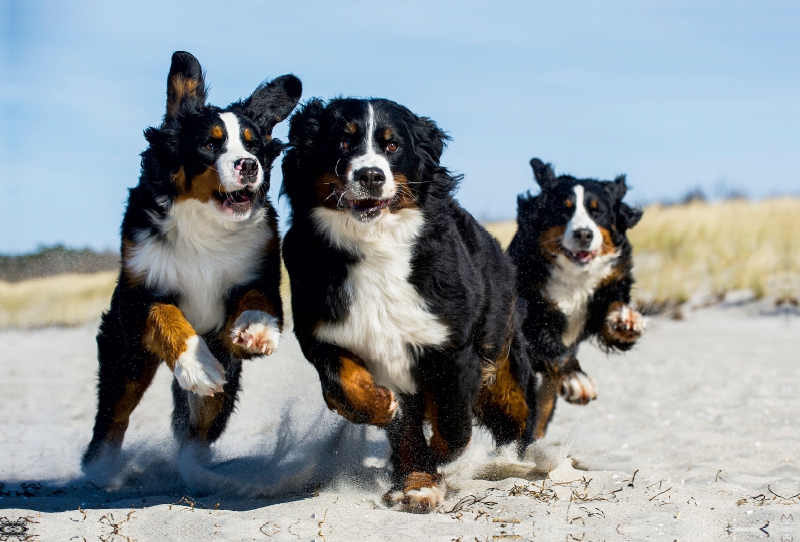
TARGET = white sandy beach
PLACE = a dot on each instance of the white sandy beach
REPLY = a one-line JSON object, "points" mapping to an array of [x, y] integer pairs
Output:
{"points": [[705, 412]]}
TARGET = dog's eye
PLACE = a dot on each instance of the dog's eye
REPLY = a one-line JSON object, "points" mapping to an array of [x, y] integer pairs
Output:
{"points": [[344, 144], [212, 145], [391, 146]]}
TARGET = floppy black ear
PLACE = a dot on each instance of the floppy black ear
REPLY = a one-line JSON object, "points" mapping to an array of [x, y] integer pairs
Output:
{"points": [[617, 188], [186, 88], [272, 102], [430, 138], [303, 129], [306, 122], [628, 216], [544, 174]]}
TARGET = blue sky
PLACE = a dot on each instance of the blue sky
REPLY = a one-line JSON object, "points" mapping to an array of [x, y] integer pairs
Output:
{"points": [[677, 94]]}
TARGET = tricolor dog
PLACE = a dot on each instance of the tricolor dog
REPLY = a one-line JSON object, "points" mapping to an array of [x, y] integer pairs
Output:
{"points": [[574, 270], [401, 300], [200, 277]]}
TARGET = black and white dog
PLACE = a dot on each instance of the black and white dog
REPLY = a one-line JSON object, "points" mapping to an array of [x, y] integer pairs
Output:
{"points": [[574, 270], [200, 278], [401, 300]]}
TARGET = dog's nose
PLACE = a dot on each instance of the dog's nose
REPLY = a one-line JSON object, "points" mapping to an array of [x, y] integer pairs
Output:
{"points": [[247, 166], [583, 236], [370, 178]]}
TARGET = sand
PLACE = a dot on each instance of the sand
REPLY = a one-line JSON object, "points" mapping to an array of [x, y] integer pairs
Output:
{"points": [[705, 412]]}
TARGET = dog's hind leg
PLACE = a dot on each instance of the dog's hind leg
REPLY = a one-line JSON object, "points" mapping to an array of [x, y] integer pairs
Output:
{"points": [[502, 402], [122, 380], [202, 419], [543, 398]]}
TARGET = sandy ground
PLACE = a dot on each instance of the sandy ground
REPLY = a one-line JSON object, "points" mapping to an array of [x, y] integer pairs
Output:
{"points": [[705, 413]]}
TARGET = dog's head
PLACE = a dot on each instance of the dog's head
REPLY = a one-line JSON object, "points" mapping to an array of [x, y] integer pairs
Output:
{"points": [[363, 158], [219, 157], [579, 219]]}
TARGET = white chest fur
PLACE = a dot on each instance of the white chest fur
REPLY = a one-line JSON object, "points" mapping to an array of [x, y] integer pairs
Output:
{"points": [[387, 318], [199, 257], [570, 287]]}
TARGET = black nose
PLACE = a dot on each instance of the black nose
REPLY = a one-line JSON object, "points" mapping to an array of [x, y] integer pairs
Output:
{"points": [[583, 236], [370, 178], [249, 167]]}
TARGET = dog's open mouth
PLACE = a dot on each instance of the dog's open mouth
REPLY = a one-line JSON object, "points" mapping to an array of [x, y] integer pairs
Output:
{"points": [[237, 202], [581, 257], [365, 209]]}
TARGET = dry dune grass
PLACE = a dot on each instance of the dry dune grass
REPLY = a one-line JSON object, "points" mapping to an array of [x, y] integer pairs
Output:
{"points": [[712, 248], [679, 250], [61, 300]]}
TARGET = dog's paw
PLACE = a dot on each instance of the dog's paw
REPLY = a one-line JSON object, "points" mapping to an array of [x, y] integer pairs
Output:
{"points": [[257, 332], [578, 388], [373, 405], [197, 370], [625, 324], [422, 493]]}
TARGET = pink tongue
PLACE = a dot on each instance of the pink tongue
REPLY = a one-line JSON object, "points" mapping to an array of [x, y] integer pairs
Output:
{"points": [[242, 200], [584, 256]]}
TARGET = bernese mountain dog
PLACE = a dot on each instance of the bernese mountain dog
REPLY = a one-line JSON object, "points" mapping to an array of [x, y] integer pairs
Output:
{"points": [[200, 271], [401, 300], [574, 271]]}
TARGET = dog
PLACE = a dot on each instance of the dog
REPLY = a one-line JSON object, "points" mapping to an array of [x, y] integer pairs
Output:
{"points": [[200, 268], [574, 271], [403, 303]]}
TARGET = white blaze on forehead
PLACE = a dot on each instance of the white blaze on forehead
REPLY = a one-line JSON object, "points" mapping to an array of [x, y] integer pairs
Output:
{"points": [[581, 221], [234, 150], [371, 158]]}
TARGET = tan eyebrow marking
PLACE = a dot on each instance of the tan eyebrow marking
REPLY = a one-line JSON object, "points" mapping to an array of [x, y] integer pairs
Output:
{"points": [[248, 135], [217, 133], [388, 133], [350, 128]]}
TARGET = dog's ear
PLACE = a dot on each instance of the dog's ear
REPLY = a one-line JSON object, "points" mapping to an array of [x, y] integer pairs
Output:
{"points": [[186, 88], [617, 188], [304, 126], [430, 138], [306, 122], [272, 102], [544, 174], [628, 216]]}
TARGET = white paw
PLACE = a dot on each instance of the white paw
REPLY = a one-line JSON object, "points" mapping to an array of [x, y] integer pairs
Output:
{"points": [[625, 323], [256, 331], [419, 501], [578, 388], [197, 370]]}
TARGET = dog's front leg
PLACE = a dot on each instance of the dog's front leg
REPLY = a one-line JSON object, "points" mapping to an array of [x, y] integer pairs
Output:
{"points": [[169, 336], [255, 327], [350, 390], [623, 326]]}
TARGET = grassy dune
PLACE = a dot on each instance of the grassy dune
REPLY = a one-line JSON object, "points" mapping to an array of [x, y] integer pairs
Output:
{"points": [[712, 248], [679, 250], [61, 300]]}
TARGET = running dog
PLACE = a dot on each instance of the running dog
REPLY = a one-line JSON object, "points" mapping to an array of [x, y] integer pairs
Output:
{"points": [[574, 271], [200, 275], [401, 300]]}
